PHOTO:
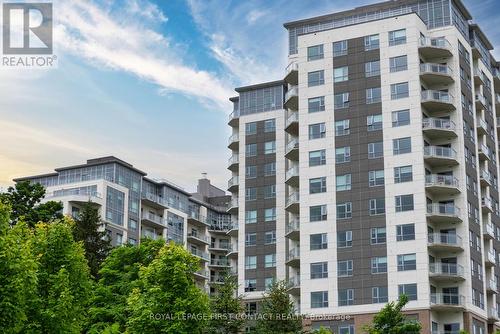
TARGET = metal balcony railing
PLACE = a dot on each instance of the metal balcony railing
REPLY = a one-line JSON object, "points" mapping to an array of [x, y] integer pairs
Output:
{"points": [[444, 239], [441, 180], [438, 123]]}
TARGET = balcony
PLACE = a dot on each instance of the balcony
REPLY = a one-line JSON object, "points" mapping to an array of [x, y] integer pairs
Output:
{"points": [[446, 272], [479, 78], [196, 219], [219, 227], [292, 149], [220, 247], [480, 101], [489, 259], [293, 257], [439, 128], [219, 263], [292, 230], [489, 231], [447, 301], [198, 253], [436, 74], [154, 201], [482, 127], [233, 163], [437, 101], [233, 252], [233, 230], [485, 178], [292, 203], [216, 279], [153, 219], [440, 156], [233, 141], [434, 47], [492, 286], [292, 73], [443, 213], [292, 176], [493, 315], [292, 98], [234, 118], [202, 274], [441, 184], [497, 98], [294, 285], [487, 204], [292, 123], [496, 78], [78, 196], [446, 242], [233, 206], [197, 238], [233, 184], [484, 152]]}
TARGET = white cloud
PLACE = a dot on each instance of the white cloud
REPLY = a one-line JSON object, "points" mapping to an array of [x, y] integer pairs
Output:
{"points": [[255, 15], [145, 9]]}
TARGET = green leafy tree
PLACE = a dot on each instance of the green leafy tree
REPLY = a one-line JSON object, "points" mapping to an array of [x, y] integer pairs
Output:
{"points": [[18, 270], [322, 330], [226, 305], [95, 242], [391, 320], [278, 312], [167, 288], [118, 275], [24, 200]]}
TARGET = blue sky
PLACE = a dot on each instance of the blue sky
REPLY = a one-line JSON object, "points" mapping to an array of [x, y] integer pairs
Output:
{"points": [[148, 81]]}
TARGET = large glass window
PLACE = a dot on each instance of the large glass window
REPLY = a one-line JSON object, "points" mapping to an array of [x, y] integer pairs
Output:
{"points": [[372, 68], [341, 100], [344, 210], [250, 239], [270, 260], [410, 290], [251, 262], [403, 174], [344, 239], [319, 299], [397, 37], [399, 63], [318, 241], [378, 235], [251, 128], [400, 118], [404, 203], [407, 262], [344, 268], [405, 232], [379, 265], [317, 185], [340, 48], [375, 150], [316, 104], [374, 122], [340, 74], [343, 182], [399, 90], [401, 145], [342, 128], [315, 78], [376, 178], [250, 217], [270, 147], [317, 213], [317, 158], [319, 270], [373, 95], [379, 295], [269, 125], [315, 52], [270, 214], [346, 297], [115, 206], [377, 206], [250, 150], [317, 131], [342, 154], [372, 42]]}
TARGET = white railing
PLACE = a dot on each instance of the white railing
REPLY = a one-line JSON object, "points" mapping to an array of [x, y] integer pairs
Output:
{"points": [[292, 92], [440, 152], [292, 144], [491, 257], [73, 192], [195, 235], [441, 180], [293, 171], [438, 123], [443, 209], [446, 269], [485, 175], [486, 201], [293, 117], [154, 198], [489, 228], [439, 42], [199, 253], [480, 98], [294, 282], [235, 114], [233, 160], [293, 226], [293, 66], [435, 68], [233, 138], [293, 198], [234, 181], [436, 95], [154, 218], [293, 254], [447, 299], [444, 239]]}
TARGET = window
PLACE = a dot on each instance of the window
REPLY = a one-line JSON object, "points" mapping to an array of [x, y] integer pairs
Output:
{"points": [[342, 154], [397, 64], [343, 182], [379, 265], [375, 150], [346, 329], [340, 74], [119, 238], [270, 191], [317, 131], [132, 241], [344, 239], [317, 158], [251, 172], [400, 118], [405, 232], [316, 104], [132, 224], [250, 285], [319, 299], [399, 90], [344, 210], [270, 260], [250, 262], [318, 241], [315, 52], [270, 147], [340, 48], [250, 217], [250, 150], [372, 68], [379, 295], [404, 203], [346, 297], [397, 37], [378, 235], [269, 125], [319, 270], [342, 128], [407, 262], [344, 268], [268, 282], [410, 290], [270, 238], [317, 213], [401, 145], [373, 95], [250, 194], [341, 100], [376, 178], [250, 239], [377, 206], [374, 122], [270, 214], [270, 169], [315, 78], [317, 185], [403, 174], [251, 128], [371, 42]]}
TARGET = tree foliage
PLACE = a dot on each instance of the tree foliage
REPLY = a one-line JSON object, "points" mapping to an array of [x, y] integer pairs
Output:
{"points": [[278, 311], [391, 320]]}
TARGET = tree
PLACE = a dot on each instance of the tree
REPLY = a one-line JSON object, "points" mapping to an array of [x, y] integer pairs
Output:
{"points": [[390, 320], [24, 200], [227, 306], [322, 330], [96, 243], [167, 299], [18, 270], [275, 305]]}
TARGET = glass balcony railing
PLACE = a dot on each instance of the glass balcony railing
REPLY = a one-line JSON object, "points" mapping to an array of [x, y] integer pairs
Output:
{"points": [[198, 236], [293, 226], [436, 95], [443, 209], [452, 299], [446, 239], [293, 254], [438, 124], [292, 199], [435, 69], [441, 180], [440, 152], [439, 42], [293, 171], [292, 92], [446, 269], [154, 218]]}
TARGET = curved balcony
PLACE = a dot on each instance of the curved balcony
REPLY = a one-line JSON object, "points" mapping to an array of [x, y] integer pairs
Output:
{"points": [[233, 184], [444, 242], [199, 254], [481, 126], [492, 286], [292, 123], [441, 184], [484, 152], [196, 219], [489, 231], [447, 301], [292, 73], [479, 78], [154, 201], [294, 285], [490, 259], [233, 252], [293, 257], [292, 176], [487, 204], [233, 230], [233, 206], [233, 163], [202, 274], [485, 178], [292, 203], [219, 263], [497, 99], [233, 141], [437, 101], [76, 196], [480, 101], [292, 230], [443, 213], [440, 156], [197, 238], [446, 272], [219, 227], [216, 279], [434, 47], [234, 118], [439, 128], [493, 315], [292, 150], [154, 220], [436, 74], [220, 247], [292, 98]]}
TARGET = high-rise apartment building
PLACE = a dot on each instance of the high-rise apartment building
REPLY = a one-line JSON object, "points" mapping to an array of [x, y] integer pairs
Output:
{"points": [[133, 206], [371, 169]]}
